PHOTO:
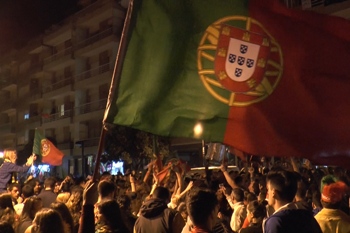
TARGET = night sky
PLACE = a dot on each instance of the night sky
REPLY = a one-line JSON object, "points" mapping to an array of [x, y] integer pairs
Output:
{"points": [[21, 20]]}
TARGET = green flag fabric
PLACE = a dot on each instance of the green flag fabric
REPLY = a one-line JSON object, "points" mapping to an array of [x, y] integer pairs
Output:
{"points": [[253, 75], [48, 152]]}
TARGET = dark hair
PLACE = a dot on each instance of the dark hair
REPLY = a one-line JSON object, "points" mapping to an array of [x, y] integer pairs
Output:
{"points": [[12, 185], [48, 221], [258, 209], [112, 216], [27, 191], [6, 227], [50, 182], [249, 196], [63, 210], [105, 188], [238, 194], [161, 193], [6, 201], [284, 182], [200, 204], [29, 209]]}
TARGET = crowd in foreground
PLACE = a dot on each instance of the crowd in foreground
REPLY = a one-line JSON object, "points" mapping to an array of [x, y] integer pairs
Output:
{"points": [[271, 200]]}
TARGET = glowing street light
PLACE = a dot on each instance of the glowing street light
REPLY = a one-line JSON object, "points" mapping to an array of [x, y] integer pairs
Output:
{"points": [[198, 130]]}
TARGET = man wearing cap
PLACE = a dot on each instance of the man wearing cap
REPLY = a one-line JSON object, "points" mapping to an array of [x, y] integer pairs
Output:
{"points": [[331, 219]]}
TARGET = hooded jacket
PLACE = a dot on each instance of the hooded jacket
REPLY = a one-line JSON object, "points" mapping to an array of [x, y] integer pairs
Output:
{"points": [[155, 216]]}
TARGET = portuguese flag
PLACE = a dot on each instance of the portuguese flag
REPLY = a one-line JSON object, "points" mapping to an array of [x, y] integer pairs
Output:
{"points": [[48, 152], [254, 75]]}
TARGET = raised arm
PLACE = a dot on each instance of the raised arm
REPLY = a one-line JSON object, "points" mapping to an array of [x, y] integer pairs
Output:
{"points": [[228, 178]]}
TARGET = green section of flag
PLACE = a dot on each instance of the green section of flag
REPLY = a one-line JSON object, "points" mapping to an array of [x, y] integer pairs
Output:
{"points": [[160, 90], [37, 143]]}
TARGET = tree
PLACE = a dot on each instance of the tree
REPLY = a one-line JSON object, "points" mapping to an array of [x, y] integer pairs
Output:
{"points": [[133, 146]]}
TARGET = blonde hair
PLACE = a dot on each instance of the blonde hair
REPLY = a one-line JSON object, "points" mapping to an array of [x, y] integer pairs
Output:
{"points": [[63, 197], [10, 154]]}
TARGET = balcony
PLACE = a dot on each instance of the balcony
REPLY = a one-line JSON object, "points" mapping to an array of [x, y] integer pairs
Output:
{"points": [[59, 88], [33, 95], [94, 38], [7, 105], [7, 128], [31, 123], [92, 110], [59, 60], [94, 76], [57, 116], [91, 107], [6, 82], [65, 145], [97, 43]]}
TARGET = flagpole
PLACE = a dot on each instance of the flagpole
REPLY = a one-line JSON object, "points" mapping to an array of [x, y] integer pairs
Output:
{"points": [[112, 90], [98, 156]]}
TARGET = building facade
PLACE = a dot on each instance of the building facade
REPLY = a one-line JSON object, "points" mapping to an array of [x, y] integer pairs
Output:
{"points": [[59, 84]]}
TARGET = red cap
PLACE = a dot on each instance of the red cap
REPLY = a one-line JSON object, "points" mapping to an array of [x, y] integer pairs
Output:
{"points": [[334, 192]]}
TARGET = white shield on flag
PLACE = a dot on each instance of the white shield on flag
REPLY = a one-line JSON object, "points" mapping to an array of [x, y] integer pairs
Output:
{"points": [[241, 59]]}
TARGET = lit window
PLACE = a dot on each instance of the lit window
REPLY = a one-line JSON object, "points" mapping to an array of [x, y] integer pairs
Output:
{"points": [[26, 116], [62, 110]]}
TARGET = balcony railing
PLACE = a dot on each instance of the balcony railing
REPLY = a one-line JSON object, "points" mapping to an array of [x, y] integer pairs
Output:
{"points": [[7, 128], [7, 81], [57, 116], [62, 83], [93, 39], [58, 55], [65, 145], [7, 104], [93, 72], [91, 107], [33, 94]]}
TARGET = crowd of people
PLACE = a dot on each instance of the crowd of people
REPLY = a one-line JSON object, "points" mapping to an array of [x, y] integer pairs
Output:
{"points": [[272, 199]]}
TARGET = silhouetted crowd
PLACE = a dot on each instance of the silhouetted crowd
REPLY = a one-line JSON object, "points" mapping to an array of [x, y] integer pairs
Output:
{"points": [[271, 199]]}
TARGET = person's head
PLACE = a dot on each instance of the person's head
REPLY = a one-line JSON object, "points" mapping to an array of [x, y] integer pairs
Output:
{"points": [[248, 197], [6, 201], [27, 191], [37, 187], [326, 180], [47, 221], [7, 215], [237, 195], [10, 156], [14, 190], [49, 183], [333, 194], [106, 188], [162, 193], [74, 202], [281, 187], [31, 206], [202, 207], [57, 187], [182, 210], [66, 216], [6, 227], [63, 197], [108, 213], [256, 212]]}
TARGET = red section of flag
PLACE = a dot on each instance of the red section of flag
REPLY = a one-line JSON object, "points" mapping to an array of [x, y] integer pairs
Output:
{"points": [[308, 113]]}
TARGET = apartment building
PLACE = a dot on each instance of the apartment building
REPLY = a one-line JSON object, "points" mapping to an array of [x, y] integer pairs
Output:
{"points": [[59, 84]]}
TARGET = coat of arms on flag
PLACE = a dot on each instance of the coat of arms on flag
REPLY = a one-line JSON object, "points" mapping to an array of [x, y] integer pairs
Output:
{"points": [[238, 59]]}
